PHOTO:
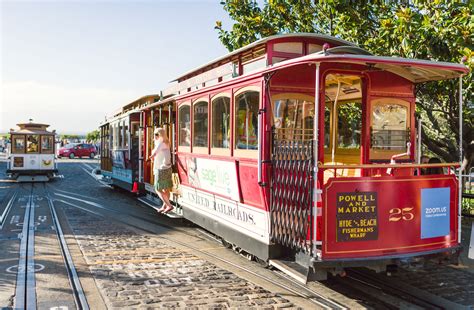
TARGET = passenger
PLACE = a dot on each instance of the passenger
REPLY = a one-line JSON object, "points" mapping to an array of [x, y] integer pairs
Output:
{"points": [[162, 168], [434, 170], [424, 160]]}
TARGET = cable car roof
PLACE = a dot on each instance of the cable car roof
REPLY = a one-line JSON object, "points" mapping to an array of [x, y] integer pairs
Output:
{"points": [[32, 128], [414, 70], [317, 36]]}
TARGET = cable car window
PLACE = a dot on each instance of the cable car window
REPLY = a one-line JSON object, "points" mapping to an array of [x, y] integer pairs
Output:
{"points": [[221, 122], [343, 118], [120, 135], [125, 134], [246, 120], [200, 124], [47, 143], [254, 65], [389, 127], [349, 123], [32, 143], [184, 126], [111, 135], [18, 144], [293, 117], [327, 127]]}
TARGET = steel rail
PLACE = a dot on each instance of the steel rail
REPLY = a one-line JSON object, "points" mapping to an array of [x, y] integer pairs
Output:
{"points": [[309, 294], [7, 209], [78, 291], [411, 294], [25, 292]]}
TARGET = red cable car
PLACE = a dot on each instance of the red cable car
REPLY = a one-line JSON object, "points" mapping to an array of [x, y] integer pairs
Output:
{"points": [[302, 148]]}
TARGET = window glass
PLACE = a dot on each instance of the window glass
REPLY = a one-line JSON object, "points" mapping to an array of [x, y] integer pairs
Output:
{"points": [[327, 127], [349, 123], [184, 126], [105, 143], [246, 120], [254, 65], [32, 143], [119, 135], [314, 48], [125, 134], [112, 136], [18, 144], [289, 47], [343, 116], [200, 124], [293, 118], [221, 122], [278, 59], [389, 126], [47, 143]]}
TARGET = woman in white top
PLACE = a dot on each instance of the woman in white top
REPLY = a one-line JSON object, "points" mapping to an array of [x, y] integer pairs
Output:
{"points": [[161, 156]]}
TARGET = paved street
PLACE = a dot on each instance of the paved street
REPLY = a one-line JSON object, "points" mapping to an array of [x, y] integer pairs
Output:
{"points": [[127, 256]]}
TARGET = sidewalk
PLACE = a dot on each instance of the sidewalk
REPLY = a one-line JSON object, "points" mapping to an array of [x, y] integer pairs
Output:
{"points": [[464, 261]]}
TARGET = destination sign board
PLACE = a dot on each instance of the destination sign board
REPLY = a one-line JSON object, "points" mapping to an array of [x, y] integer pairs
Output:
{"points": [[356, 217]]}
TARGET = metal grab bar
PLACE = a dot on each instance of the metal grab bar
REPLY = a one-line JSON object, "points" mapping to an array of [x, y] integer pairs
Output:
{"points": [[385, 166]]}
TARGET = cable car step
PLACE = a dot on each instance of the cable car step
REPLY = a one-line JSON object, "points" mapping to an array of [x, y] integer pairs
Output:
{"points": [[292, 269], [155, 203], [32, 178]]}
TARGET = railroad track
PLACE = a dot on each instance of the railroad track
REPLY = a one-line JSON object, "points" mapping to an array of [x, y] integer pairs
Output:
{"points": [[287, 284], [26, 289], [390, 293], [79, 295], [376, 292]]}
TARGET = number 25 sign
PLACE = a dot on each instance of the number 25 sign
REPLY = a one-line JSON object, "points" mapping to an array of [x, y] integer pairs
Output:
{"points": [[397, 214]]}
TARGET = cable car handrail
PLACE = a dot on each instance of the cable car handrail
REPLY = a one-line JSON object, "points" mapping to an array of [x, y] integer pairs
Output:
{"points": [[378, 166]]}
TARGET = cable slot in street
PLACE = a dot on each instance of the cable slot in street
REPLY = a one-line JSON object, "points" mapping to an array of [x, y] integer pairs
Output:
{"points": [[79, 295]]}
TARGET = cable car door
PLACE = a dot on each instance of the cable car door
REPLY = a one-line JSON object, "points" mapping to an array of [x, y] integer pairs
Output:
{"points": [[292, 170]]}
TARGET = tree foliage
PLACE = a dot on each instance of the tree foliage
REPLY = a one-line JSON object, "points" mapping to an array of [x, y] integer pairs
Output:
{"points": [[440, 30], [93, 136], [70, 137]]}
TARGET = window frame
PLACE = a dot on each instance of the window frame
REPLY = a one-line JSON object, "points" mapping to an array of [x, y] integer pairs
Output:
{"points": [[14, 150], [43, 151], [253, 154], [199, 149], [349, 151], [39, 144], [217, 150], [289, 95], [179, 147], [384, 155], [350, 155]]}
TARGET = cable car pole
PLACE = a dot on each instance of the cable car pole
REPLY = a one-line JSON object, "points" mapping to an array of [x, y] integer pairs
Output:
{"points": [[316, 190], [460, 159]]}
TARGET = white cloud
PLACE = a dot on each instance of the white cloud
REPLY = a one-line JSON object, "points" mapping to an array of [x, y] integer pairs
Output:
{"points": [[68, 110]]}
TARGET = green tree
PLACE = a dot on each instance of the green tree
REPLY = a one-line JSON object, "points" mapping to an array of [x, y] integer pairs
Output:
{"points": [[93, 136], [70, 137], [440, 30]]}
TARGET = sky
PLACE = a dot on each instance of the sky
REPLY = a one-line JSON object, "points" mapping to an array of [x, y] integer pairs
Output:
{"points": [[71, 63]]}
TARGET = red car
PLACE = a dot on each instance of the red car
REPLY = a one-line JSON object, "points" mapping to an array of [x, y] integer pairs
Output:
{"points": [[78, 150]]}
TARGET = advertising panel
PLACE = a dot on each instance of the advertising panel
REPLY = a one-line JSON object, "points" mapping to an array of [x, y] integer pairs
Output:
{"points": [[435, 212], [47, 161], [214, 175], [369, 217]]}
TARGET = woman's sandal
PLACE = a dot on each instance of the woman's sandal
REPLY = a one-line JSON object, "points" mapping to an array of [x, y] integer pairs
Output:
{"points": [[167, 210]]}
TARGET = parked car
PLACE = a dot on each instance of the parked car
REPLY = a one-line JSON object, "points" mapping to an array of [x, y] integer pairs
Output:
{"points": [[78, 150]]}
